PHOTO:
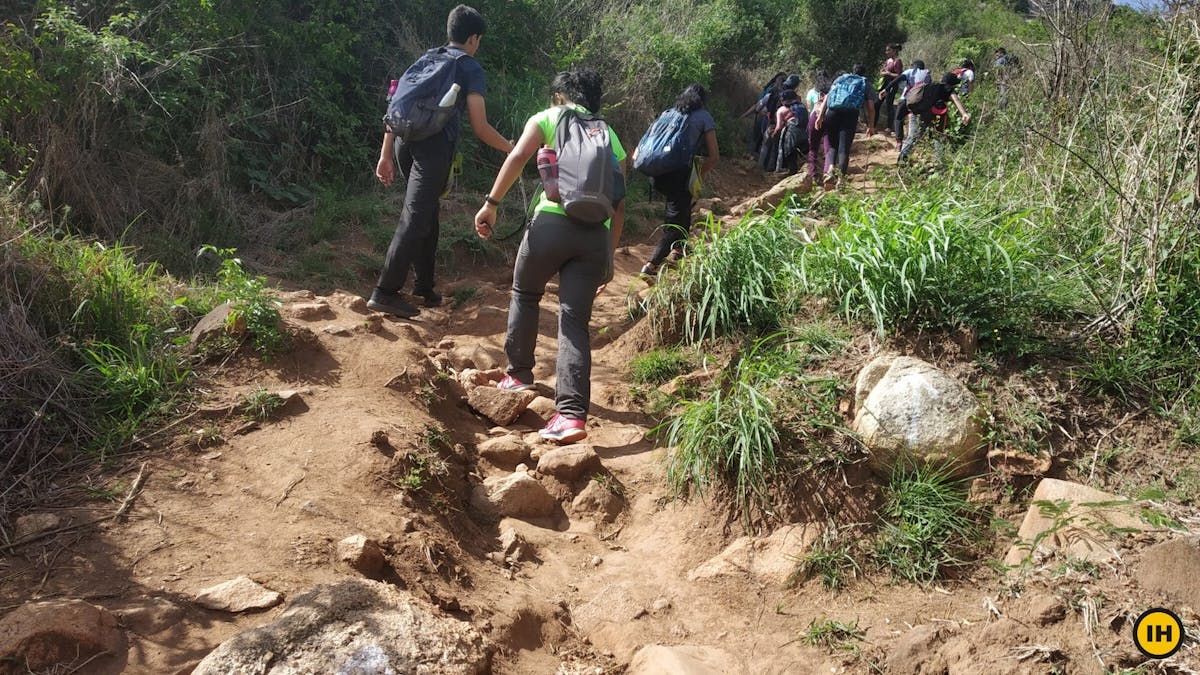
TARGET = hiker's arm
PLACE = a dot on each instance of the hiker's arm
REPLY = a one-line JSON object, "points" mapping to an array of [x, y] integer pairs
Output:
{"points": [[961, 110], [870, 118], [617, 224], [714, 152], [385, 169], [477, 113], [527, 145]]}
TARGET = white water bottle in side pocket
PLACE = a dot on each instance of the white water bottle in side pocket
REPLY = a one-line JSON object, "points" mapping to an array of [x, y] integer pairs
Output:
{"points": [[451, 96]]}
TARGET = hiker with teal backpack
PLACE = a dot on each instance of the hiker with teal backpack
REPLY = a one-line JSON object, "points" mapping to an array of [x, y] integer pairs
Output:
{"points": [[848, 95], [575, 229], [665, 154], [421, 130], [927, 106]]}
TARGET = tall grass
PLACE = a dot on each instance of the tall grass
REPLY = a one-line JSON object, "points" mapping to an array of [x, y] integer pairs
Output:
{"points": [[928, 527], [932, 259], [733, 281]]}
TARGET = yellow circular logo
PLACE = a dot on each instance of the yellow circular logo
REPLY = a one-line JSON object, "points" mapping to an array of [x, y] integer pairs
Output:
{"points": [[1158, 633]]}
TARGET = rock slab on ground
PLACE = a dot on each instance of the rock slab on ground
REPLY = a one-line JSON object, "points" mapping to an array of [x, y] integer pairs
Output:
{"points": [[1172, 568], [1075, 519], [214, 324], [362, 554], [518, 495], [682, 660], [56, 635], [911, 413], [354, 626], [500, 406], [238, 595], [568, 463], [769, 559], [34, 524], [311, 311]]}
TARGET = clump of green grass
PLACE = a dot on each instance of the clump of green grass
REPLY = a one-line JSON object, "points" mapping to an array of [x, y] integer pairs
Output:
{"points": [[731, 435], [832, 560], [260, 405], [928, 527], [837, 635], [659, 366], [931, 259], [462, 295], [732, 282]]}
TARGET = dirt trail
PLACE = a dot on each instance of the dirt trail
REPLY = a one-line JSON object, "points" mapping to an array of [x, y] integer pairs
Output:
{"points": [[272, 501]]}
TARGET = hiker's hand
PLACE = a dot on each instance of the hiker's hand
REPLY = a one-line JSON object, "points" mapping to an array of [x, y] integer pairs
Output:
{"points": [[601, 288], [966, 119], [485, 220], [385, 170]]}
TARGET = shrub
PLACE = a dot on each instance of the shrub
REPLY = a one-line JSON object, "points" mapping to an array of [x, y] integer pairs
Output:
{"points": [[659, 366], [934, 260], [248, 297], [731, 282], [928, 525]]}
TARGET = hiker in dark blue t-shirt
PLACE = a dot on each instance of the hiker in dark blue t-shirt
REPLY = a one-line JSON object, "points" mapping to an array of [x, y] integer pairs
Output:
{"points": [[677, 186], [426, 166]]}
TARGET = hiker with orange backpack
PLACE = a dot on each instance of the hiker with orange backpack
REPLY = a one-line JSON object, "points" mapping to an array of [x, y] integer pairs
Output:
{"points": [[422, 129], [665, 154], [576, 225]]}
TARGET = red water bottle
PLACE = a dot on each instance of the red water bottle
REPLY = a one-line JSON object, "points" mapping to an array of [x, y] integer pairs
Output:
{"points": [[547, 165]]}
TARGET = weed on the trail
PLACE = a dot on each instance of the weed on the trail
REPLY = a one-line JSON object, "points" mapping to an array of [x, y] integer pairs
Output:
{"points": [[832, 559], [659, 366], [462, 295], [836, 635], [260, 405], [252, 306], [929, 527]]}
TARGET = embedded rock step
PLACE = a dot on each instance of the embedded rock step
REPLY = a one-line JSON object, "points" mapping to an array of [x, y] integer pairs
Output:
{"points": [[518, 495], [500, 406], [238, 595], [569, 462], [59, 635]]}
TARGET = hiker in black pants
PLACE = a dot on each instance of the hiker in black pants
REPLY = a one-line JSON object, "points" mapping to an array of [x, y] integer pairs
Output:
{"points": [[676, 186], [929, 110], [426, 166], [579, 253], [841, 125], [891, 70]]}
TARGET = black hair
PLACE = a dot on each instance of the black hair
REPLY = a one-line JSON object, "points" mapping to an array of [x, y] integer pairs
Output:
{"points": [[950, 79], [919, 64], [792, 81], [822, 81], [896, 47], [859, 69], [693, 98], [583, 86], [1001, 50], [788, 95], [464, 22], [968, 64]]}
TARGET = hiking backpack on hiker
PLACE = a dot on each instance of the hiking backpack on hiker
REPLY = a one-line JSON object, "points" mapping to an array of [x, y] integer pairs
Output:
{"points": [[920, 98], [416, 111], [799, 115], [590, 182], [848, 92], [663, 148]]}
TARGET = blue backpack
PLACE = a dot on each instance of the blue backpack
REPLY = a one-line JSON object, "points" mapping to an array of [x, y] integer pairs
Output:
{"points": [[662, 149], [848, 92], [414, 112]]}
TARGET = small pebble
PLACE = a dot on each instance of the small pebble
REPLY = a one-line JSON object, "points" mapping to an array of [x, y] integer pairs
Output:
{"points": [[522, 468], [596, 560]]}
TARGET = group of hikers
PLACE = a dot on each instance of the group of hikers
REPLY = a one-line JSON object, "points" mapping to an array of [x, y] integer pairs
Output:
{"points": [[819, 127], [579, 214]]}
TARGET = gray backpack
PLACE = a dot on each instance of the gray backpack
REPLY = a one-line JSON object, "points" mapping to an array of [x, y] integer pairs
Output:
{"points": [[590, 182]]}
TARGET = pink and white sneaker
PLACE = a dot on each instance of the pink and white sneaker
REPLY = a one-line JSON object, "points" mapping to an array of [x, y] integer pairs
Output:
{"points": [[563, 430], [510, 383]]}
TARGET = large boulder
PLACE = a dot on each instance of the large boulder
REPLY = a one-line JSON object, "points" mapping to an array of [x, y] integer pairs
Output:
{"points": [[500, 406], [768, 560], [1078, 520], [58, 635], [518, 495], [910, 413], [353, 626]]}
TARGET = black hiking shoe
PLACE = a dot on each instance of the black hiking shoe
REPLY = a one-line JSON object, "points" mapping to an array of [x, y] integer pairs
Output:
{"points": [[431, 298], [393, 304]]}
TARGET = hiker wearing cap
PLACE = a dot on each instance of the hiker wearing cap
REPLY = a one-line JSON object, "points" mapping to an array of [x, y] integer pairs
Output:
{"points": [[677, 183], [576, 225], [425, 159], [927, 106]]}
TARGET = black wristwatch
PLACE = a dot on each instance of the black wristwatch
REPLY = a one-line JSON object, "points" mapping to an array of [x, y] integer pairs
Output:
{"points": [[493, 202]]}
